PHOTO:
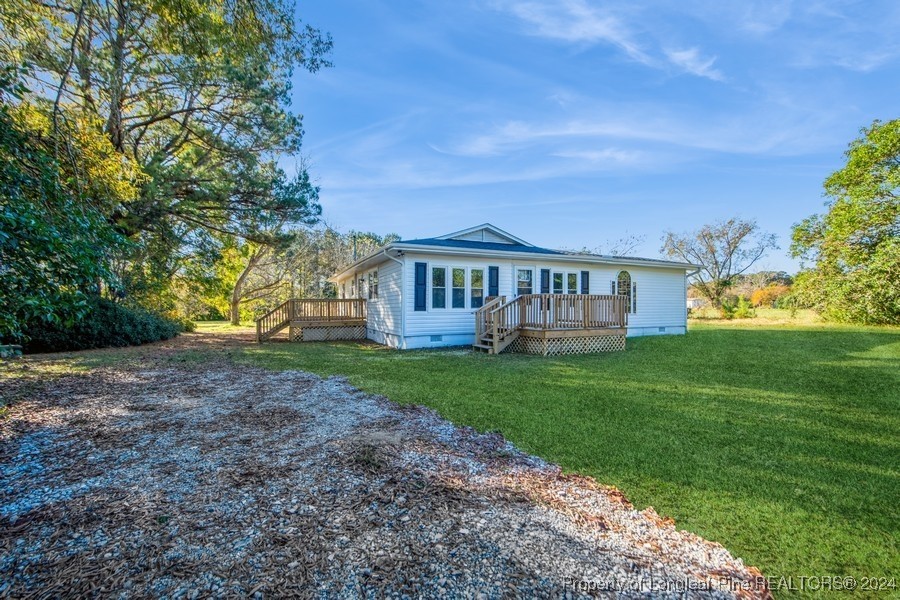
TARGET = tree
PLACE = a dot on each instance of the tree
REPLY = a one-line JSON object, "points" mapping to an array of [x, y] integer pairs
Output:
{"points": [[769, 295], [196, 94], [55, 242], [749, 283], [623, 246], [854, 247], [299, 269], [721, 250]]}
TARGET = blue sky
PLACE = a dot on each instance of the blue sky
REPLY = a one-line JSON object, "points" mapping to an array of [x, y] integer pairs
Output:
{"points": [[571, 122]]}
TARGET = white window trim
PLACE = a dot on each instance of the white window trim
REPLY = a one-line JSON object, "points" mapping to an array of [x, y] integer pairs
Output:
{"points": [[448, 287], [465, 288], [370, 277], [430, 303], [565, 287], [632, 283], [535, 279], [469, 288]]}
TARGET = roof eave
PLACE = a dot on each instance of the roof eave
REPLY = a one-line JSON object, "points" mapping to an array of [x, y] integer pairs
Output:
{"points": [[558, 257]]}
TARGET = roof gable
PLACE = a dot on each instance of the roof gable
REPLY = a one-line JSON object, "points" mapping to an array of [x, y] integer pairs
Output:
{"points": [[484, 233]]}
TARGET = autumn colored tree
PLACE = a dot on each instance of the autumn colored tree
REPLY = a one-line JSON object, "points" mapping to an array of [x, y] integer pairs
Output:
{"points": [[769, 295]]}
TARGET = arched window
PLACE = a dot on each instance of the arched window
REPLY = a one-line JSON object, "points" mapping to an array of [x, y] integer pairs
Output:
{"points": [[625, 287]]}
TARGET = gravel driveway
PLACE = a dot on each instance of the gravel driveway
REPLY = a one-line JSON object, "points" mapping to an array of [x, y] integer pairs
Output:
{"points": [[183, 474]]}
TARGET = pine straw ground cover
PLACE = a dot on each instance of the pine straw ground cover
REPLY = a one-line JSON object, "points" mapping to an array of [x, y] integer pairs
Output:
{"points": [[171, 471]]}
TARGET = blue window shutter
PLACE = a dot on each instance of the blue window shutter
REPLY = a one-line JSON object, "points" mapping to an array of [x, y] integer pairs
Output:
{"points": [[612, 288], [421, 270], [493, 281], [634, 297], [545, 281], [585, 282]]}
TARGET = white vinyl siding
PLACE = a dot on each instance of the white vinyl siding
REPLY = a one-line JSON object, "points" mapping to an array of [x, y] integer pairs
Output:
{"points": [[384, 309], [448, 323], [660, 296]]}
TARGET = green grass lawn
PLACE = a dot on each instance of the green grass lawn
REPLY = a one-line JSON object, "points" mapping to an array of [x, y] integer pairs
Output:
{"points": [[780, 442]]}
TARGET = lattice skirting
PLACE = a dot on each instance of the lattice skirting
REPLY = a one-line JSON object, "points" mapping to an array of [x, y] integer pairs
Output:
{"points": [[569, 345], [328, 334]]}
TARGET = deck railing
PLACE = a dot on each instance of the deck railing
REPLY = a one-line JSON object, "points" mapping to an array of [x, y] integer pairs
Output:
{"points": [[328, 310], [498, 322], [318, 310], [572, 311]]}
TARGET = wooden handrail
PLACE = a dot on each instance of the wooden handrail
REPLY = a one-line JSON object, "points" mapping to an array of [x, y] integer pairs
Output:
{"points": [[483, 314], [505, 319], [272, 321], [318, 310]]}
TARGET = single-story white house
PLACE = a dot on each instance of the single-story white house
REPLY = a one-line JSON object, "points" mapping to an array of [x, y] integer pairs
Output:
{"points": [[424, 293]]}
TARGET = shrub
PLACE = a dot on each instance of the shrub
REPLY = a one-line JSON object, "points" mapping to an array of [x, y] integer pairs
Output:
{"points": [[739, 309], [743, 310], [728, 309], [105, 324], [769, 295], [185, 324]]}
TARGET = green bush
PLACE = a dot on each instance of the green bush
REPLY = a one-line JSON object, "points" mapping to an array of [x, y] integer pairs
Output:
{"points": [[728, 309], [105, 324], [739, 309], [744, 310]]}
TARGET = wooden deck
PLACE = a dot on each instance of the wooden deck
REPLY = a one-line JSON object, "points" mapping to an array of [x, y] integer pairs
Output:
{"points": [[552, 324], [319, 319]]}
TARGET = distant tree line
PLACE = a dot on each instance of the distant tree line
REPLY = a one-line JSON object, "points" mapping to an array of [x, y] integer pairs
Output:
{"points": [[250, 278]]}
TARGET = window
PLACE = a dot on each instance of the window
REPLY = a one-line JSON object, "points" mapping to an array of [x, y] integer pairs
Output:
{"points": [[459, 288], [438, 287], [624, 288], [476, 287], [524, 281], [558, 283], [373, 285], [565, 283], [353, 288]]}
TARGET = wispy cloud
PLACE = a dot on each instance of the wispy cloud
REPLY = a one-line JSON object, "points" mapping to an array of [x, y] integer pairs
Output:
{"points": [[576, 21], [692, 62], [605, 156], [764, 17], [651, 131], [424, 174]]}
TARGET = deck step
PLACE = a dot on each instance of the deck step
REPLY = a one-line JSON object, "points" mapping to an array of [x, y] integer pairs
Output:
{"points": [[484, 347]]}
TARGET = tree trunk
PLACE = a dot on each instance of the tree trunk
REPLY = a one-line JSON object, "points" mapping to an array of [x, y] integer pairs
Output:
{"points": [[114, 126], [237, 292]]}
